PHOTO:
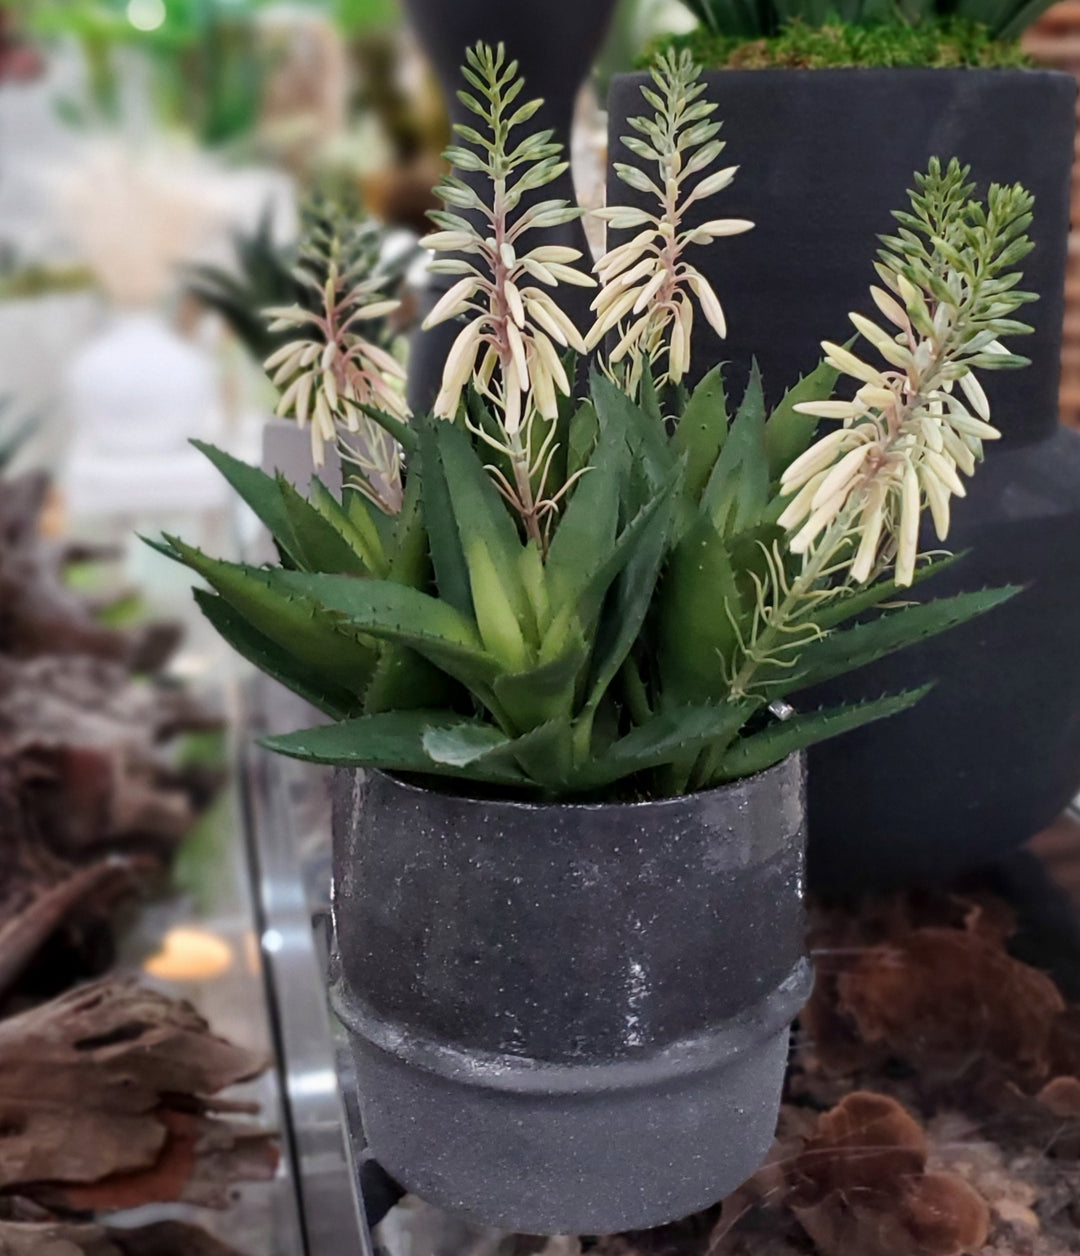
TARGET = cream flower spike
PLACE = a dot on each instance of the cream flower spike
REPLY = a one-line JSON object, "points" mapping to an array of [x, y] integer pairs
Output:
{"points": [[513, 332], [509, 321], [330, 371], [907, 437], [648, 289]]}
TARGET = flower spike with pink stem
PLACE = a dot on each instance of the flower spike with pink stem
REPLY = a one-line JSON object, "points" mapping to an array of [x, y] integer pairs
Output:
{"points": [[513, 330]]}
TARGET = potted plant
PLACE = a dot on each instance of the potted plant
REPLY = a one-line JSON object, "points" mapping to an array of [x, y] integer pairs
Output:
{"points": [[858, 102], [568, 884]]}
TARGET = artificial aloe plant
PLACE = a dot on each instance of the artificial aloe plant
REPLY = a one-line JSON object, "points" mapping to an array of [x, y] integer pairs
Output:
{"points": [[617, 594]]}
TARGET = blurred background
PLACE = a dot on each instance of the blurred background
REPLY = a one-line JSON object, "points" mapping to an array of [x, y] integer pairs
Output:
{"points": [[156, 159], [154, 156]]}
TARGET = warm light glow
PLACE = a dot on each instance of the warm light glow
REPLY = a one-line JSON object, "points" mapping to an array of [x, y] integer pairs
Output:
{"points": [[190, 955], [146, 15]]}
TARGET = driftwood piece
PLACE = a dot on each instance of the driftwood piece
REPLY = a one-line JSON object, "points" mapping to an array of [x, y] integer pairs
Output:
{"points": [[71, 1238], [91, 803], [113, 1085], [24, 934], [39, 613], [52, 907]]}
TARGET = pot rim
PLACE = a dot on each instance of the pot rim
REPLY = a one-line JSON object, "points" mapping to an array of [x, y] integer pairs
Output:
{"points": [[515, 804], [854, 71], [656, 1068]]}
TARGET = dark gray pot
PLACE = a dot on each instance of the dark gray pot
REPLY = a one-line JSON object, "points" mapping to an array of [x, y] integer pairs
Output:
{"points": [[555, 43], [570, 1019], [994, 753]]}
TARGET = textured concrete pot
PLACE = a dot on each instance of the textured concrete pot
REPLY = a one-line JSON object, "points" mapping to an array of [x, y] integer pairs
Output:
{"points": [[555, 42], [570, 1019], [824, 156]]}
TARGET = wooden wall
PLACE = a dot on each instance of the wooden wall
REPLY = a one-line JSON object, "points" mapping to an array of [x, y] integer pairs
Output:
{"points": [[1055, 41]]}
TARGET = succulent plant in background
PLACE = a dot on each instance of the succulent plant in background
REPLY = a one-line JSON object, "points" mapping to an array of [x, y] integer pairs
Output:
{"points": [[264, 272], [336, 368], [617, 594]]}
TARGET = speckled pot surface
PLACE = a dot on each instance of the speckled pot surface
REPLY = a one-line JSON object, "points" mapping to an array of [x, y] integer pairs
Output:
{"points": [[570, 1019]]}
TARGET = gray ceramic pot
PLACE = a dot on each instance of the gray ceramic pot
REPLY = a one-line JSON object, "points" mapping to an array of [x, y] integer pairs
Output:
{"points": [[570, 1019]]}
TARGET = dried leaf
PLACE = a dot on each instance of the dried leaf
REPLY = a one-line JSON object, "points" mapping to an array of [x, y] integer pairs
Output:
{"points": [[1061, 1097], [941, 998], [861, 1187]]}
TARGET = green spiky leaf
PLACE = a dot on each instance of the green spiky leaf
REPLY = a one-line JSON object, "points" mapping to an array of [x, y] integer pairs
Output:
{"points": [[404, 741], [761, 750], [789, 433], [279, 664], [847, 650], [738, 488], [701, 431]]}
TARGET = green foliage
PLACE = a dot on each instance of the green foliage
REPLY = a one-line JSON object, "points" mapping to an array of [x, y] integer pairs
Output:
{"points": [[208, 71], [611, 596], [758, 19], [361, 17], [24, 280], [605, 670], [938, 43]]}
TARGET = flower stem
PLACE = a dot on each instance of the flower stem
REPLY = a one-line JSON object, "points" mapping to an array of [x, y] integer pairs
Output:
{"points": [[501, 316]]}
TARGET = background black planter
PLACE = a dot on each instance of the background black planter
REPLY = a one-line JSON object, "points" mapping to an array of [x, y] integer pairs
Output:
{"points": [[994, 753], [570, 1019], [555, 43]]}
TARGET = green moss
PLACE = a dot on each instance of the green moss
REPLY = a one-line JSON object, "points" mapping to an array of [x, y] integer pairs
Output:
{"points": [[937, 44]]}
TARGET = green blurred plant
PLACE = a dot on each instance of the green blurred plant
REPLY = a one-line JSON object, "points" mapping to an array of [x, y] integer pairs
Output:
{"points": [[21, 280], [361, 17], [697, 567], [208, 70]]}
